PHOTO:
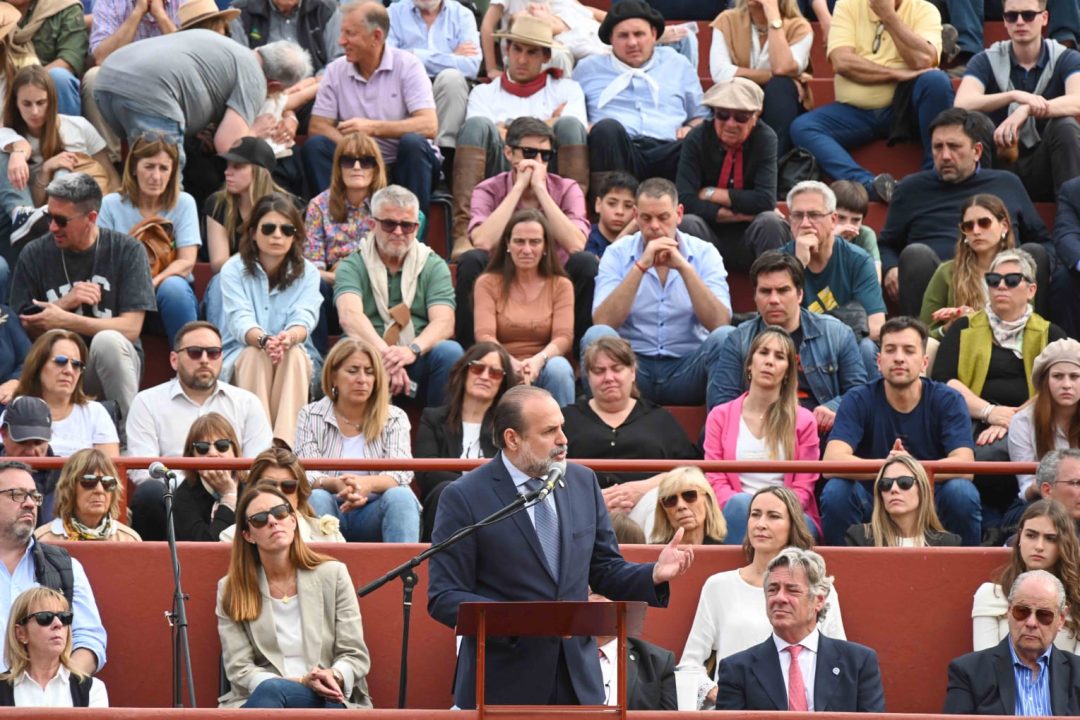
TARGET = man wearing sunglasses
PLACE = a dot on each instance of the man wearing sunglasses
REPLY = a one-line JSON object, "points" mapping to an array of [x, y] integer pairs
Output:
{"points": [[1025, 674]]}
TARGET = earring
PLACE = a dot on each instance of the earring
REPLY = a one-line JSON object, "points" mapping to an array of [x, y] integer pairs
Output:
{"points": [[334, 393], [749, 376]]}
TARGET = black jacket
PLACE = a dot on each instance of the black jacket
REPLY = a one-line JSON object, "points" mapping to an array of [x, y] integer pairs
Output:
{"points": [[435, 438], [314, 16], [982, 683], [859, 536], [701, 159], [650, 677]]}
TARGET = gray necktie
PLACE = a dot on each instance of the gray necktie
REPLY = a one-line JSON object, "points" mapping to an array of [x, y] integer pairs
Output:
{"points": [[546, 522]]}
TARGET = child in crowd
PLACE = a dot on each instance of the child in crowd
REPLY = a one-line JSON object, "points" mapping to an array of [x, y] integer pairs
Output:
{"points": [[852, 202], [615, 212]]}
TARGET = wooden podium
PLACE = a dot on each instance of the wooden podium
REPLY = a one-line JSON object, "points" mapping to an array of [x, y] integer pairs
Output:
{"points": [[547, 619]]}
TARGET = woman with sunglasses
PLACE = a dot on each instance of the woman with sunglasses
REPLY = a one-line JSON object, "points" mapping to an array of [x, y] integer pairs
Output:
{"points": [[151, 188], [461, 428], [764, 423], [731, 613], [205, 502], [271, 306], [685, 500], [525, 302], [53, 371], [88, 497], [355, 419], [1046, 540], [904, 514], [37, 651], [278, 466], [288, 617]]}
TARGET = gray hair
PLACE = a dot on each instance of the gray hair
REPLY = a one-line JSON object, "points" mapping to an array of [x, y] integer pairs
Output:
{"points": [[1021, 257], [1044, 577], [813, 564], [395, 196], [1050, 465], [814, 186], [375, 15], [285, 62], [77, 188], [509, 412]]}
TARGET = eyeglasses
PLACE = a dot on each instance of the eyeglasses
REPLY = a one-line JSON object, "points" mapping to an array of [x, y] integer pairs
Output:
{"points": [[45, 617], [286, 486], [195, 352], [367, 162], [287, 229], [478, 369], [798, 216], [408, 227], [1070, 483], [203, 446], [1012, 16], [60, 220], [1021, 613], [531, 153], [279, 512], [63, 360], [877, 37], [741, 116], [688, 496], [89, 482], [983, 222], [18, 495], [885, 484], [1012, 280]]}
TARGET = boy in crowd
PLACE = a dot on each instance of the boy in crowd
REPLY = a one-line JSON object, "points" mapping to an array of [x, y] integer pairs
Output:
{"points": [[852, 202], [614, 212]]}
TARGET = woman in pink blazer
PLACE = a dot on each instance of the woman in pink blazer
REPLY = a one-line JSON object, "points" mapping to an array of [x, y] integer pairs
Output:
{"points": [[764, 423]]}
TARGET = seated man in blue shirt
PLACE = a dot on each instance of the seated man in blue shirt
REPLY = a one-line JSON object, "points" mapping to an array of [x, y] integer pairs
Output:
{"points": [[665, 292], [901, 413]]}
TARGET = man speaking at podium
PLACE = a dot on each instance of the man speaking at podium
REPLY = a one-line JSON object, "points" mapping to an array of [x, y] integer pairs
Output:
{"points": [[555, 550]]}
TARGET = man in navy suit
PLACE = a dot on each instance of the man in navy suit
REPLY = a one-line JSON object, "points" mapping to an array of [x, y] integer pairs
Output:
{"points": [[798, 668], [1024, 674], [554, 551]]}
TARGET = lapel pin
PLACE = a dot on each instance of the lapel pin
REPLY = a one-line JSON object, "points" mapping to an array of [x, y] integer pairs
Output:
{"points": [[836, 671]]}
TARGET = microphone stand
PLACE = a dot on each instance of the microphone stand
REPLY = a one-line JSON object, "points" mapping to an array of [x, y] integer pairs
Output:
{"points": [[177, 617], [409, 579]]}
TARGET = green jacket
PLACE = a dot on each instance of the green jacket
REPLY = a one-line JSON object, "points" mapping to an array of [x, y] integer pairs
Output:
{"points": [[976, 341]]}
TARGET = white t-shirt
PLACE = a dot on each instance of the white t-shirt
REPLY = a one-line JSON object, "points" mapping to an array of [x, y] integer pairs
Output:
{"points": [[290, 635], [76, 135], [470, 440], [86, 426], [750, 447]]}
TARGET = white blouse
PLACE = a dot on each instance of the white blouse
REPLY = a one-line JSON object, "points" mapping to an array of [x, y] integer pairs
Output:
{"points": [[722, 67], [56, 693]]}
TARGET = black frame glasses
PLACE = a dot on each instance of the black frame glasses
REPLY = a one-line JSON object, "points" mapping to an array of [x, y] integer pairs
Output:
{"points": [[18, 496], [195, 352], [408, 227], [45, 617], [906, 482], [279, 512], [1012, 16], [202, 447], [689, 497], [287, 229], [1012, 280], [530, 153], [108, 482], [877, 37], [286, 486], [367, 162], [60, 220], [741, 116]]}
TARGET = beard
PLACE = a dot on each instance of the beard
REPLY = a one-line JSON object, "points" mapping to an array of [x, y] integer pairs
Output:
{"points": [[534, 465], [198, 380]]}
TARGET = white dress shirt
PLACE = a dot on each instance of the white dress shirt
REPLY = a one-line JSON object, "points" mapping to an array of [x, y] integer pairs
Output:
{"points": [[609, 671], [56, 693], [807, 662]]}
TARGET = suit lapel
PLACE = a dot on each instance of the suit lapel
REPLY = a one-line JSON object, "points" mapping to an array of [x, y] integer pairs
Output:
{"points": [[1059, 683], [825, 680], [263, 632], [1006, 680], [562, 506], [507, 493], [766, 669], [310, 595], [632, 661]]}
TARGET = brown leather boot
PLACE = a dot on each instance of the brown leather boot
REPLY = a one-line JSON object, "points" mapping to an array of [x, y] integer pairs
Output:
{"points": [[574, 164], [469, 167]]}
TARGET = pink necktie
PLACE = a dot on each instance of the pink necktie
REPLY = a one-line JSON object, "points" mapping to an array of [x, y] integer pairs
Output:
{"points": [[796, 686]]}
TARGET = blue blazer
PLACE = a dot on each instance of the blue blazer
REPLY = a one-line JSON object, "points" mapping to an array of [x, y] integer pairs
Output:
{"points": [[504, 562], [982, 683], [847, 679]]}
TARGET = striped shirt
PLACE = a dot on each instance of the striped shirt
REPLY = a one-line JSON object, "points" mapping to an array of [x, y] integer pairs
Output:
{"points": [[1032, 691]]}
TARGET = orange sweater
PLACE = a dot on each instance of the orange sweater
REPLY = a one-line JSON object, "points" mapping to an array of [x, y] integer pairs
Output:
{"points": [[524, 329]]}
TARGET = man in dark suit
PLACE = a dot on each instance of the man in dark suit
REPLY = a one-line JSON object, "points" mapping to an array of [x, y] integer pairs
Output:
{"points": [[650, 672], [554, 551], [1024, 674], [798, 668]]}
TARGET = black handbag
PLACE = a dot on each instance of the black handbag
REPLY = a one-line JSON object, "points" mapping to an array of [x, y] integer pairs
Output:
{"points": [[794, 167]]}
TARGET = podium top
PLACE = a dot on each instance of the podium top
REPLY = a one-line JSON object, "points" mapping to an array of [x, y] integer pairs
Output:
{"points": [[557, 618]]}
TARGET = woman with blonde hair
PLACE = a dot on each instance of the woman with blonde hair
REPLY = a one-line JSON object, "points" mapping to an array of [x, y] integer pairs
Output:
{"points": [[904, 514], [88, 498], [288, 617], [685, 500], [37, 651], [355, 419]]}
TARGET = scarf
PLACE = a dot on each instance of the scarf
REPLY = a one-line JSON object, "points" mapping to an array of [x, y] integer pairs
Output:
{"points": [[530, 88], [1009, 334], [738, 33], [731, 172], [21, 43], [398, 319], [625, 77], [75, 530]]}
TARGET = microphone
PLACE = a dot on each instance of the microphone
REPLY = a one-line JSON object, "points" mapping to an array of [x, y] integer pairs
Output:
{"points": [[158, 471], [554, 475]]}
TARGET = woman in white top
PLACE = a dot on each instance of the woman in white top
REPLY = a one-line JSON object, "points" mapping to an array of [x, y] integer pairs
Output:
{"points": [[1047, 541], [37, 650], [731, 610], [53, 371]]}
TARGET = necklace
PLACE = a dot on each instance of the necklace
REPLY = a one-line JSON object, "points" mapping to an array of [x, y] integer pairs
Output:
{"points": [[341, 418], [285, 596], [93, 263]]}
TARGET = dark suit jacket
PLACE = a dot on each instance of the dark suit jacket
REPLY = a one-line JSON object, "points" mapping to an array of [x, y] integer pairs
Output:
{"points": [[982, 683], [504, 562], [847, 679], [859, 536], [435, 438], [650, 677]]}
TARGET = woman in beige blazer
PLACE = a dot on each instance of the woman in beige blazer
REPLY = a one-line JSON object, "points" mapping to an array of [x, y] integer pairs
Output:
{"points": [[288, 617]]}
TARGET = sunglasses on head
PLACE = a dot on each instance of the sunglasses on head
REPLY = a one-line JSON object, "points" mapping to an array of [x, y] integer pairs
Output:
{"points": [[279, 512], [287, 229], [203, 446], [983, 222], [1012, 280], [89, 482], [60, 220], [1021, 613], [1012, 16], [531, 153], [195, 352], [478, 368], [367, 162], [885, 484], [45, 617], [408, 227], [688, 496], [62, 360], [286, 486], [741, 116]]}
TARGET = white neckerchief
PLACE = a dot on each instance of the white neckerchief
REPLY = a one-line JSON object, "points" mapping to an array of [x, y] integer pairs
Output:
{"points": [[622, 81]]}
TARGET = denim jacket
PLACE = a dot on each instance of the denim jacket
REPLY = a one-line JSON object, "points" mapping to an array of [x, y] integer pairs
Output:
{"points": [[829, 355]]}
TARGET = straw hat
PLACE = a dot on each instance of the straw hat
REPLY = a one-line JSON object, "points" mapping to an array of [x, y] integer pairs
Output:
{"points": [[9, 19], [196, 11], [529, 30]]}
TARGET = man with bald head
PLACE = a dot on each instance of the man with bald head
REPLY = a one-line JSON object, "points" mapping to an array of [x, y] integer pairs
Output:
{"points": [[1025, 674]]}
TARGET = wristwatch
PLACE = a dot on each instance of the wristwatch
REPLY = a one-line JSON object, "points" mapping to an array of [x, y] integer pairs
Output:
{"points": [[777, 24], [709, 193], [263, 339], [415, 349]]}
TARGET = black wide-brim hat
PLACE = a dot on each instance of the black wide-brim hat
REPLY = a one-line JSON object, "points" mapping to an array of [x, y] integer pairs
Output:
{"points": [[628, 10]]}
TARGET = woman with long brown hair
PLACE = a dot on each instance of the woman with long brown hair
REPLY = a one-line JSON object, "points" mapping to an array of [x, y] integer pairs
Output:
{"points": [[288, 618], [904, 514], [205, 502]]}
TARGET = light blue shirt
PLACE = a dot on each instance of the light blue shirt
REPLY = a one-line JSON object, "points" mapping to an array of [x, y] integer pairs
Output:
{"points": [[435, 45], [661, 322], [249, 302], [120, 215], [86, 628], [519, 478], [680, 98], [1032, 693]]}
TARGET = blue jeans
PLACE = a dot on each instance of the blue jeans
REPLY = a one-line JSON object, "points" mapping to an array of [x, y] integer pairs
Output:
{"points": [[177, 305], [130, 123], [432, 371], [848, 502], [390, 516], [214, 302], [828, 131], [671, 380], [737, 513], [324, 503], [282, 693], [68, 97], [869, 351], [557, 378]]}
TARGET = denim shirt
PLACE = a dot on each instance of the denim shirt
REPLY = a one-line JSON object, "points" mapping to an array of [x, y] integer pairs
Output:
{"points": [[829, 354]]}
